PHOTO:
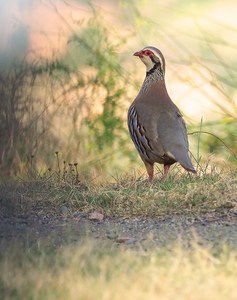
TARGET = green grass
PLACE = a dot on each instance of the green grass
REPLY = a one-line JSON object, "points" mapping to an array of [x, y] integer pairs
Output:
{"points": [[132, 195]]}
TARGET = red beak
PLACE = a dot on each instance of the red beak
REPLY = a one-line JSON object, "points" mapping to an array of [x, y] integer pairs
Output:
{"points": [[138, 53]]}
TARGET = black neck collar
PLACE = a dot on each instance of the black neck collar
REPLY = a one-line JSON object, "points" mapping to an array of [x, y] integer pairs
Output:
{"points": [[152, 70]]}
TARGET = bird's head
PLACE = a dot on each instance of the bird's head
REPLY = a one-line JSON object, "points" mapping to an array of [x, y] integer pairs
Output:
{"points": [[152, 58]]}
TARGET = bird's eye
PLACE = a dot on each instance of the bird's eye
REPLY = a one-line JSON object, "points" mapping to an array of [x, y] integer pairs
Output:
{"points": [[148, 52]]}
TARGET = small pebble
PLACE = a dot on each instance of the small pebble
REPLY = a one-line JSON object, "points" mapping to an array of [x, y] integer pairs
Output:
{"points": [[96, 216], [63, 209], [77, 216]]}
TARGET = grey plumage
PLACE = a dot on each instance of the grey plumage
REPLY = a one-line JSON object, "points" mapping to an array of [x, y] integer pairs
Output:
{"points": [[155, 123]]}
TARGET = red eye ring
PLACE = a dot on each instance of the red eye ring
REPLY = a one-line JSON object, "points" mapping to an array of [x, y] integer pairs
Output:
{"points": [[148, 52]]}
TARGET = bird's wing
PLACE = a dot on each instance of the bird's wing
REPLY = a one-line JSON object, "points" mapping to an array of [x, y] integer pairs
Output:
{"points": [[172, 134], [143, 136]]}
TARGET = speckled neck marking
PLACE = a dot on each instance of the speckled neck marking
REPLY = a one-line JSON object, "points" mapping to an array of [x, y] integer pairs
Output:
{"points": [[155, 74]]}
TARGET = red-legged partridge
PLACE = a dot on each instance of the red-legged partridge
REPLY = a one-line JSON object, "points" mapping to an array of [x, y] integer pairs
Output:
{"points": [[155, 123]]}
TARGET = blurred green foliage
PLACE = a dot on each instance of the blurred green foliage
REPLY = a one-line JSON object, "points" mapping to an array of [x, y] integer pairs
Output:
{"points": [[225, 145], [91, 47]]}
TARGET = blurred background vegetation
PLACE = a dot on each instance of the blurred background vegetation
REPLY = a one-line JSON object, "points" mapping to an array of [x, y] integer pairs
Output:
{"points": [[67, 78]]}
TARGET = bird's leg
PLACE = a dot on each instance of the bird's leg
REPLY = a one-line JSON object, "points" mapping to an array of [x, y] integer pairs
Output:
{"points": [[150, 171], [166, 171]]}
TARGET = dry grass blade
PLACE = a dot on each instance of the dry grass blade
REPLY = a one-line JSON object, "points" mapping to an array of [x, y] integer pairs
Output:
{"points": [[69, 273], [219, 139]]}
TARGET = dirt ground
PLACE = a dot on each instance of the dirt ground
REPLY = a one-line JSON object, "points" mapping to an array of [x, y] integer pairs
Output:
{"points": [[62, 225]]}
